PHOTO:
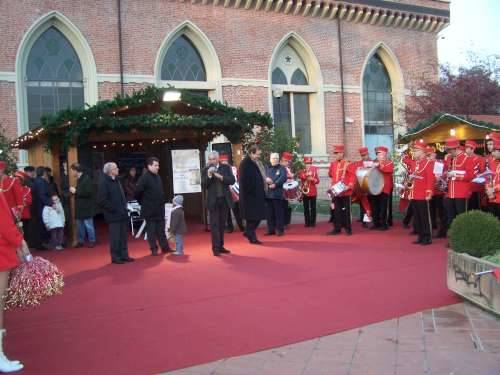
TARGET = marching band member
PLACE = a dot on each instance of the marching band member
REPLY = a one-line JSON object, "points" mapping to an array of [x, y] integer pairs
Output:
{"points": [[437, 201], [459, 173], [420, 193], [409, 164], [27, 200], [380, 203], [235, 210], [360, 196], [309, 179], [341, 172], [12, 191], [286, 161], [276, 176], [493, 185], [489, 148], [474, 202]]}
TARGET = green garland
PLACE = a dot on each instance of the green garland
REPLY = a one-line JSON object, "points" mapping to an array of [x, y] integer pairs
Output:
{"points": [[233, 122]]}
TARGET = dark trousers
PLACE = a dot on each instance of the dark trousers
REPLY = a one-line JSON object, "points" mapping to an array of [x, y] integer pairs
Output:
{"points": [[438, 214], [56, 237], [218, 216], [118, 240], [474, 202], [380, 207], [275, 216], [236, 212], [251, 226], [155, 230], [494, 208], [309, 210], [342, 213], [422, 217], [454, 207], [28, 232], [389, 210], [287, 211], [408, 215]]}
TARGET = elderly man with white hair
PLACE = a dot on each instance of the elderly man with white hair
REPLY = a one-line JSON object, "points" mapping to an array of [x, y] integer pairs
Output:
{"points": [[276, 176], [111, 199], [216, 179]]}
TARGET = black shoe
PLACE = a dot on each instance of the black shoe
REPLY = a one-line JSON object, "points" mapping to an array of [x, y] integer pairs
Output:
{"points": [[242, 229], [216, 254], [224, 251], [348, 232], [269, 234], [128, 259], [417, 242], [245, 234], [117, 261], [382, 229], [313, 225], [154, 253], [255, 242], [374, 227], [78, 245], [364, 225], [426, 242], [307, 225], [279, 234], [333, 232], [167, 250]]}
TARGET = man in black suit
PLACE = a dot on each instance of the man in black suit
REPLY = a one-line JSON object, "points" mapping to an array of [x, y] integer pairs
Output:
{"points": [[216, 179], [149, 193], [111, 200]]}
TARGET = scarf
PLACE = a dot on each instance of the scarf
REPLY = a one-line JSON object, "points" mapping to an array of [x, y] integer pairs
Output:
{"points": [[262, 172]]}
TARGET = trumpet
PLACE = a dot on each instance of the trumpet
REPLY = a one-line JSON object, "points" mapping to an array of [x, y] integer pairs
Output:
{"points": [[305, 187]]}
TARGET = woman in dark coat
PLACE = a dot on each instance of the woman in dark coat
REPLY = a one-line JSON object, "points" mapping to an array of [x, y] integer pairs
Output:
{"points": [[252, 192], [130, 184]]}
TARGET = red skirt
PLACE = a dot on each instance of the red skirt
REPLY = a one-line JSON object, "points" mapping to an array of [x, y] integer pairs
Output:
{"points": [[8, 256]]}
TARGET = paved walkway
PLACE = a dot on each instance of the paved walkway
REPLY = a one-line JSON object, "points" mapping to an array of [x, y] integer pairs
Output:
{"points": [[457, 339]]}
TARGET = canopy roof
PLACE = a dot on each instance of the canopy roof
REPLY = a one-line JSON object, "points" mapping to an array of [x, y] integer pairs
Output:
{"points": [[144, 114], [443, 125]]}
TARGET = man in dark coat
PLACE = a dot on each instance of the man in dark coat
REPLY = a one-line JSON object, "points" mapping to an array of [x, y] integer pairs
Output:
{"points": [[252, 192], [216, 179], [84, 206], [111, 200], [41, 198], [276, 176], [149, 193]]}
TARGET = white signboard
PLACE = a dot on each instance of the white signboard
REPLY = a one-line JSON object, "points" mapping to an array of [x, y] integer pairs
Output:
{"points": [[186, 171]]}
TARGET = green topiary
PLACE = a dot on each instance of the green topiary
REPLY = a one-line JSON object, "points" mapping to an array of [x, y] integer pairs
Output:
{"points": [[476, 233]]}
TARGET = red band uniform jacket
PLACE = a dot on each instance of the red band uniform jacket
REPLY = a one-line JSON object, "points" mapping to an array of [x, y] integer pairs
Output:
{"points": [[343, 171], [313, 190]]}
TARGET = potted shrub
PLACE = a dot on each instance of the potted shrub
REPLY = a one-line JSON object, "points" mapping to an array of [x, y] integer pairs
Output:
{"points": [[474, 235]]}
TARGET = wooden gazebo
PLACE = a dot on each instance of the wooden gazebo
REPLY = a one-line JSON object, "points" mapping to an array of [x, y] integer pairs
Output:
{"points": [[140, 124]]}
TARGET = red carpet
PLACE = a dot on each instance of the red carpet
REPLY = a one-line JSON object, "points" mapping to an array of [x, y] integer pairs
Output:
{"points": [[159, 314]]}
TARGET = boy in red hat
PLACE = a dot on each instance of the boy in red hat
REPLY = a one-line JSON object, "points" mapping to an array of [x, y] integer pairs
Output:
{"points": [[420, 193], [341, 173], [474, 202], [459, 173], [380, 203], [309, 178], [493, 186]]}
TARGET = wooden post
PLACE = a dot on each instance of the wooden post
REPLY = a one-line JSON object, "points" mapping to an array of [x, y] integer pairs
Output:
{"points": [[72, 158]]}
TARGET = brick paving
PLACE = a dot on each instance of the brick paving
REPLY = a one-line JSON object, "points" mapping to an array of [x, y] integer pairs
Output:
{"points": [[456, 339]]}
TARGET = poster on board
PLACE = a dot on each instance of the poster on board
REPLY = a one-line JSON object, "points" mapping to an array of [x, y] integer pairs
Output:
{"points": [[186, 171]]}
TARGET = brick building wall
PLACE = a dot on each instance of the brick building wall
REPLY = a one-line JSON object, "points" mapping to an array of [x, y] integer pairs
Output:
{"points": [[244, 41]]}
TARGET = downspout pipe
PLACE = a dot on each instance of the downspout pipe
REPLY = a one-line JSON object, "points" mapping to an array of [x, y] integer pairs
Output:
{"points": [[120, 46], [341, 67]]}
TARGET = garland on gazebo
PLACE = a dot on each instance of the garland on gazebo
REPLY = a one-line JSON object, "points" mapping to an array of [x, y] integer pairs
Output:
{"points": [[431, 120], [74, 126]]}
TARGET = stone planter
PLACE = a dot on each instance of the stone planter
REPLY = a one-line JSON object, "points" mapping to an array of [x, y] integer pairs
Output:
{"points": [[482, 290]]}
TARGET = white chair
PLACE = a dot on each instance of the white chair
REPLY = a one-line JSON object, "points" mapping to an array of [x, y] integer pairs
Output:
{"points": [[134, 213]]}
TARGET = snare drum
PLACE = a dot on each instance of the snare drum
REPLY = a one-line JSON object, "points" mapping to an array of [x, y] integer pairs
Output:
{"points": [[235, 191], [338, 188], [370, 180], [291, 190]]}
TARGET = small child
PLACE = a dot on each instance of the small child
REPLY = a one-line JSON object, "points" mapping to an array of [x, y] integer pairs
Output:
{"points": [[178, 224], [53, 218]]}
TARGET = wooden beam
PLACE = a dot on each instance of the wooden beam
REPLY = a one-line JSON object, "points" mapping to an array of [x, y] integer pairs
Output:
{"points": [[427, 24], [288, 6], [351, 14], [316, 9], [278, 6], [307, 8], [325, 10], [389, 20], [397, 21], [406, 19], [433, 25], [342, 12], [269, 4], [367, 16], [333, 13], [359, 15], [419, 24], [298, 5], [381, 19], [375, 18], [412, 22]]}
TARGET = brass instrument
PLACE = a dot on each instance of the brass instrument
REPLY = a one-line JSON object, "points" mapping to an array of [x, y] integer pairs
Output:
{"points": [[305, 187], [490, 189]]}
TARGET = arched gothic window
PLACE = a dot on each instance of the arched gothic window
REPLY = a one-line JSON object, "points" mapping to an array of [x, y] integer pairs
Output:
{"points": [[377, 103], [182, 62], [291, 105], [54, 78]]}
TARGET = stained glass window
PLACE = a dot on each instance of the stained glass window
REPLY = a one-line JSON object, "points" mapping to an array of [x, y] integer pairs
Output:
{"points": [[377, 98], [302, 121], [54, 78], [183, 62], [299, 78], [279, 77], [282, 113]]}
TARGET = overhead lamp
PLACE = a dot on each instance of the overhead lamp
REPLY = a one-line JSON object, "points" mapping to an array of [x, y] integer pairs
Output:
{"points": [[452, 132], [171, 95]]}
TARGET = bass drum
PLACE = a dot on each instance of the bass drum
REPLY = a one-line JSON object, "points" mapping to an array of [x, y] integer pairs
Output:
{"points": [[370, 180]]}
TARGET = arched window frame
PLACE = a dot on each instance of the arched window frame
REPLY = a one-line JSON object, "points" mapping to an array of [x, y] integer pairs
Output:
{"points": [[206, 50], [82, 49], [314, 89]]}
